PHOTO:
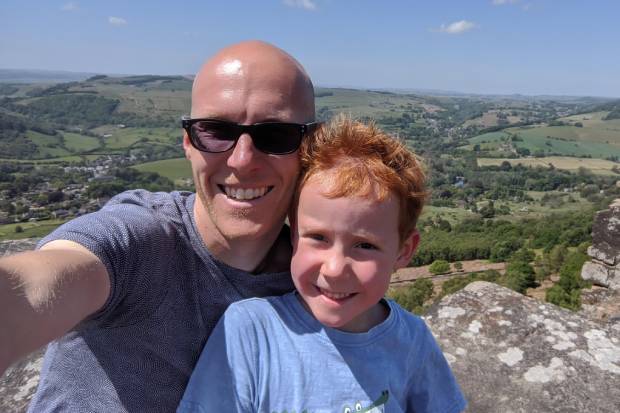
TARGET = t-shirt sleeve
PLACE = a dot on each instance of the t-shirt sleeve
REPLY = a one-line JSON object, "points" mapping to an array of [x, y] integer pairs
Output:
{"points": [[224, 379], [433, 385], [129, 237]]}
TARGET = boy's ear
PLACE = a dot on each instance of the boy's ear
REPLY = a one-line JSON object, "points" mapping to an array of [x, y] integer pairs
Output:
{"points": [[293, 225], [408, 248]]}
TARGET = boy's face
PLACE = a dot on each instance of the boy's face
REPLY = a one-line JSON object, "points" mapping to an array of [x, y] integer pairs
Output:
{"points": [[345, 250]]}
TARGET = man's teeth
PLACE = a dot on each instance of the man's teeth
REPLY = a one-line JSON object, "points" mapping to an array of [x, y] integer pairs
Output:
{"points": [[335, 296], [245, 194]]}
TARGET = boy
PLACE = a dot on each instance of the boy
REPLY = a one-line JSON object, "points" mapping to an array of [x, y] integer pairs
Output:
{"points": [[335, 345]]}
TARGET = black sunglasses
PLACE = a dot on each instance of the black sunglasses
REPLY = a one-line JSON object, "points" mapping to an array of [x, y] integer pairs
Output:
{"points": [[276, 138]]}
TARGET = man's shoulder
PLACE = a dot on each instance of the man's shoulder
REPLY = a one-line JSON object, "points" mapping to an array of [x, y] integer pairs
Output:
{"points": [[152, 200]]}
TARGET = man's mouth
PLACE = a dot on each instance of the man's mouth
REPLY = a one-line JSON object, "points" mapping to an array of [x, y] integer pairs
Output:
{"points": [[335, 295], [245, 194]]}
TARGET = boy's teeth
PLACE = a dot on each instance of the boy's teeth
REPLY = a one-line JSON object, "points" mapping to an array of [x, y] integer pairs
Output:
{"points": [[245, 194], [335, 296]]}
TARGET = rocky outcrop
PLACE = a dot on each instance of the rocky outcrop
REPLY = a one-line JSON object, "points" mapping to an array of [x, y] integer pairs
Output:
{"points": [[19, 382], [604, 268], [511, 353]]}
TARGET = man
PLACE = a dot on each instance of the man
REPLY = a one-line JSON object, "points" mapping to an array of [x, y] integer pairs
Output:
{"points": [[131, 292]]}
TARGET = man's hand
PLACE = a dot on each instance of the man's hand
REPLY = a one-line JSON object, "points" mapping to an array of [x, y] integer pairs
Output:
{"points": [[45, 293]]}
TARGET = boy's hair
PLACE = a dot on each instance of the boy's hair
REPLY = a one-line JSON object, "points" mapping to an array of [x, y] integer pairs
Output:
{"points": [[364, 161]]}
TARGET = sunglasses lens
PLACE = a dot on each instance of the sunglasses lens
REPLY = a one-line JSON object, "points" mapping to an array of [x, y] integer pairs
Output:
{"points": [[278, 139], [214, 136]]}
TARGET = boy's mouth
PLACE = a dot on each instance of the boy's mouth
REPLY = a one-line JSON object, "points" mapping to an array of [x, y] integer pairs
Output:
{"points": [[245, 194], [335, 295]]}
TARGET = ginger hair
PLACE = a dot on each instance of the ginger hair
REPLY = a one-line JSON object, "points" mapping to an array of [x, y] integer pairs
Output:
{"points": [[359, 159]]}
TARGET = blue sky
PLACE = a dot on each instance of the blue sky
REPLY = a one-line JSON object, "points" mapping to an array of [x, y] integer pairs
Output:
{"points": [[560, 47]]}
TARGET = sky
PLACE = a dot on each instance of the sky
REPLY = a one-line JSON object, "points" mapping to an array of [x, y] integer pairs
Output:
{"points": [[531, 47]]}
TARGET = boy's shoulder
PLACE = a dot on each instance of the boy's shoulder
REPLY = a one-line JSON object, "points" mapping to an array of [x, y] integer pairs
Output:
{"points": [[262, 310], [408, 325]]}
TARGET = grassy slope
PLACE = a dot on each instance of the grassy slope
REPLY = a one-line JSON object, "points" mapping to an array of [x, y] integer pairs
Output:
{"points": [[597, 138]]}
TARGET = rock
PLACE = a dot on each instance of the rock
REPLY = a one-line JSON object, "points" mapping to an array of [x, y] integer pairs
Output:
{"points": [[601, 274], [604, 269], [19, 382], [511, 353], [15, 246]]}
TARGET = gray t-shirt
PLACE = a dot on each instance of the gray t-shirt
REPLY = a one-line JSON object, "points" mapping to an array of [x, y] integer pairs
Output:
{"points": [[167, 293]]}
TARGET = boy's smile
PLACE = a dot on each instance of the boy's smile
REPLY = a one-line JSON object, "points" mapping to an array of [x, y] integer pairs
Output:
{"points": [[345, 250]]}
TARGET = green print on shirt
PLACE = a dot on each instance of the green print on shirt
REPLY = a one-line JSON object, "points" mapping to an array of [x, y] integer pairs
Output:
{"points": [[376, 407]]}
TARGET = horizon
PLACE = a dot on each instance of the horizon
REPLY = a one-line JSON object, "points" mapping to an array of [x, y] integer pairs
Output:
{"points": [[483, 47], [431, 92]]}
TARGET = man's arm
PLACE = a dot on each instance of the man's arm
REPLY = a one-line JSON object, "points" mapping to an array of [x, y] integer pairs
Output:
{"points": [[45, 293]]}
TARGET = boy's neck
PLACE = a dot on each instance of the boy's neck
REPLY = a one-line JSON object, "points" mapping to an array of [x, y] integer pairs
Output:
{"points": [[374, 316]]}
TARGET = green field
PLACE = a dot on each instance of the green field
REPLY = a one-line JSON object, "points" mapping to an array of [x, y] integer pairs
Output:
{"points": [[366, 103], [80, 143], [597, 166], [596, 138], [123, 138], [172, 169], [30, 229], [47, 146]]}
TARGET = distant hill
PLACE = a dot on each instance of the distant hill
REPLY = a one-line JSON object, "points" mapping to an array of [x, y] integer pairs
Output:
{"points": [[41, 76]]}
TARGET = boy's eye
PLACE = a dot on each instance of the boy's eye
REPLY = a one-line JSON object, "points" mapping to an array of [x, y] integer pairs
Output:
{"points": [[367, 246], [315, 237]]}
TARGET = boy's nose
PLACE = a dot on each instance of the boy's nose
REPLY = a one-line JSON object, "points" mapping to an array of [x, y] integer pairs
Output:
{"points": [[334, 264]]}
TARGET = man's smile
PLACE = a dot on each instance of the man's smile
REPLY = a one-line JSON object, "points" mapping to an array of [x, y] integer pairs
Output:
{"points": [[245, 194]]}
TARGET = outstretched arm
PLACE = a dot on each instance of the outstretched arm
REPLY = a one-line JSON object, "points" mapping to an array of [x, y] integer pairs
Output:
{"points": [[45, 293]]}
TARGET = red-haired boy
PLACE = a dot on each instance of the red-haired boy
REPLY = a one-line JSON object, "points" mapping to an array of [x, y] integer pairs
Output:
{"points": [[335, 344]]}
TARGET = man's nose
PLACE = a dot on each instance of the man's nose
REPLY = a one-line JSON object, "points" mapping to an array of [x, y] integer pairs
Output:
{"points": [[244, 153]]}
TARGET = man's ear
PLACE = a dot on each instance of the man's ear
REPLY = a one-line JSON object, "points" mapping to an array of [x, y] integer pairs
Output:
{"points": [[407, 249], [187, 146]]}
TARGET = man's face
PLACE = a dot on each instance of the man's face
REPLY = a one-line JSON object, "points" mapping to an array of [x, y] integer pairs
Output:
{"points": [[345, 250], [244, 192]]}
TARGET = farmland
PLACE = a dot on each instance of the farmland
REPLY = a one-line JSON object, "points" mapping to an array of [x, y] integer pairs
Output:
{"points": [[597, 166]]}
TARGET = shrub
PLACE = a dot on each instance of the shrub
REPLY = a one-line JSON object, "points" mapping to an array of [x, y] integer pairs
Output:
{"points": [[413, 296], [439, 267], [457, 283], [19, 229]]}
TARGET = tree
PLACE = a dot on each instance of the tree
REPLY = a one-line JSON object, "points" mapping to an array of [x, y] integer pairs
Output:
{"points": [[488, 211]]}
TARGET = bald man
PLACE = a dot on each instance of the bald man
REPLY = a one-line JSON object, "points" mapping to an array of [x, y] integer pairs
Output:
{"points": [[130, 293]]}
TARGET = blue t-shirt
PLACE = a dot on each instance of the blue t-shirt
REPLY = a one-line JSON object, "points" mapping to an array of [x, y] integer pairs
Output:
{"points": [[270, 355], [167, 293]]}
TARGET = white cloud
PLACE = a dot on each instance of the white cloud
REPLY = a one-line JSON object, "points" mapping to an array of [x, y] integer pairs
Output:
{"points": [[72, 6], [458, 27], [502, 2], [304, 4], [117, 21]]}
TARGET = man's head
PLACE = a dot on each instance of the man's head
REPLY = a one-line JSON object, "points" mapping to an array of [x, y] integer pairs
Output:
{"points": [[243, 193], [358, 200]]}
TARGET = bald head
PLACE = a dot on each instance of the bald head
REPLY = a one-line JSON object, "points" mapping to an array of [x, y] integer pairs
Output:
{"points": [[251, 82]]}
